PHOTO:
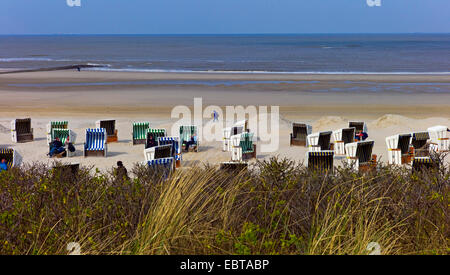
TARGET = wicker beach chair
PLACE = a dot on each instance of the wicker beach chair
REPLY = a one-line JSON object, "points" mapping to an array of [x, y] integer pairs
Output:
{"points": [[162, 166], [176, 148], [299, 133], [55, 125], [246, 148], [21, 130], [438, 136], [63, 135], [11, 156], [158, 152], [398, 149], [359, 155], [321, 161], [155, 133], [319, 141], [110, 126], [186, 132], [342, 137], [360, 126], [95, 144], [420, 143], [139, 134], [238, 128]]}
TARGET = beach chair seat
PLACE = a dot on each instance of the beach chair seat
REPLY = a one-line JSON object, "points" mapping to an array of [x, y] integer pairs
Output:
{"points": [[139, 134], [342, 137], [360, 126], [359, 155], [21, 130], [438, 136], [176, 148], [186, 132], [164, 166], [421, 164], [398, 149], [320, 161], [236, 129], [111, 131], [233, 166], [55, 125], [243, 147], [11, 156], [95, 144], [299, 133], [158, 152], [319, 141], [155, 134]]}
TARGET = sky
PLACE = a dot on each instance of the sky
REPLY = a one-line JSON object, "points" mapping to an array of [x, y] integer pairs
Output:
{"points": [[223, 16]]}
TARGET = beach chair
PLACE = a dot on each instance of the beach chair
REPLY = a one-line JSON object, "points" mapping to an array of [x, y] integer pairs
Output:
{"points": [[238, 128], [342, 137], [155, 133], [186, 132], [319, 141], [158, 152], [21, 130], [63, 135], [165, 166], [299, 133], [139, 134], [246, 148], [359, 155], [95, 144], [110, 126], [420, 143], [176, 148], [320, 161], [360, 126], [233, 166], [421, 164], [398, 149], [11, 156], [55, 125], [438, 136]]}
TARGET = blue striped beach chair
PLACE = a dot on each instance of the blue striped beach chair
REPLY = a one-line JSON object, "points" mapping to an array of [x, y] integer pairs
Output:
{"points": [[11, 156], [157, 152], [162, 165], [139, 134], [95, 144], [176, 148], [321, 161]]}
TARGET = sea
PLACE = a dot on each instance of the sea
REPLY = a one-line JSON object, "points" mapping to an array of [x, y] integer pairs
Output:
{"points": [[295, 53]]}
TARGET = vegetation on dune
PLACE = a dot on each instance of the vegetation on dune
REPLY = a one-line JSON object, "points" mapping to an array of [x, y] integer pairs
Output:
{"points": [[278, 207]]}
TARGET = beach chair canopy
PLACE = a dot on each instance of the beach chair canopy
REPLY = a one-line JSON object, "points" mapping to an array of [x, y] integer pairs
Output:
{"points": [[300, 131], [320, 160], [22, 126], [360, 126], [63, 134], [140, 130], [324, 140], [109, 125], [347, 135], [246, 143], [57, 125], [364, 151], [95, 139], [8, 155], [176, 147], [420, 139], [186, 132]]}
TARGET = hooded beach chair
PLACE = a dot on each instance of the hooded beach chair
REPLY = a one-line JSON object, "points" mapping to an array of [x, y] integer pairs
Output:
{"points": [[322, 161], [162, 165], [420, 143], [158, 152], [342, 137], [95, 144], [11, 156], [319, 141], [155, 134], [186, 132], [55, 125], [21, 130], [438, 136], [238, 128], [139, 134], [63, 135], [360, 126], [176, 147], [398, 149], [299, 133], [421, 164], [246, 148], [359, 155], [110, 126]]}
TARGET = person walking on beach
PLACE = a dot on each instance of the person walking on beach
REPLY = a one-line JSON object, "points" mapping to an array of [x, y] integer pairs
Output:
{"points": [[3, 166], [121, 172]]}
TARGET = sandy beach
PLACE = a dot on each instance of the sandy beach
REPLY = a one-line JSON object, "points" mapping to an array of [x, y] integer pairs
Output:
{"points": [[390, 104]]}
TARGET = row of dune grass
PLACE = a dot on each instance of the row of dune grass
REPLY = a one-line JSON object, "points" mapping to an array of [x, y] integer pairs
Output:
{"points": [[276, 207]]}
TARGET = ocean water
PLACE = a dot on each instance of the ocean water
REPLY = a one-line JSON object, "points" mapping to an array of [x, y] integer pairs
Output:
{"points": [[356, 53]]}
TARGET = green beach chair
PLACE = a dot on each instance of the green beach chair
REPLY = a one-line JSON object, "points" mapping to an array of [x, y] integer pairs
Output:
{"points": [[155, 133], [55, 125], [246, 149], [139, 135], [186, 132]]}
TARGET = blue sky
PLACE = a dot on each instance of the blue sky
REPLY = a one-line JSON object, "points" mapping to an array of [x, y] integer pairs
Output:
{"points": [[223, 16]]}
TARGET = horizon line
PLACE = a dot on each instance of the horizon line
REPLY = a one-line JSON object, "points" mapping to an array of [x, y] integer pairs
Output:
{"points": [[219, 34]]}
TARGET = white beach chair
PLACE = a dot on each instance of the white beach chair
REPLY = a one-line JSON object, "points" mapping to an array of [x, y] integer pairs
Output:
{"points": [[300, 131], [110, 126], [360, 126], [359, 155], [21, 130], [398, 149], [342, 137], [319, 141], [438, 136], [237, 128], [157, 152]]}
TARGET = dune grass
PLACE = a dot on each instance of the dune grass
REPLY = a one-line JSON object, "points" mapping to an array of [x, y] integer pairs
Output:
{"points": [[277, 207]]}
